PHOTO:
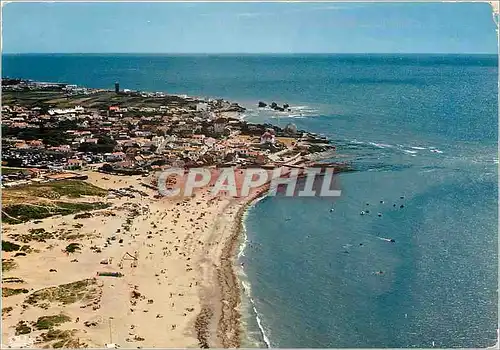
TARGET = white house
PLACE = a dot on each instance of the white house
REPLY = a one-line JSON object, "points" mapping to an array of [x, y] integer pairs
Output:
{"points": [[202, 107], [267, 137]]}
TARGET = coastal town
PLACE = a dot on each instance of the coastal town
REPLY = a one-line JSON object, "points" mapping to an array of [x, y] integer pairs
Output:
{"points": [[55, 127], [92, 254]]}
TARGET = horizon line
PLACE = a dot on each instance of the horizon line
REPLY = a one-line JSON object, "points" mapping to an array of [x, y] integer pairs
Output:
{"points": [[249, 53]]}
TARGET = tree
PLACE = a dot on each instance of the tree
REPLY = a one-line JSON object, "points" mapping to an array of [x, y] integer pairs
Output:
{"points": [[106, 168]]}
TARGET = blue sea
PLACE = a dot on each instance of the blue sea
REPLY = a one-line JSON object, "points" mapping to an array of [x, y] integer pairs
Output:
{"points": [[421, 132]]}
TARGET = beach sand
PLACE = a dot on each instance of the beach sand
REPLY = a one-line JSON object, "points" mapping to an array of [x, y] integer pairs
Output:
{"points": [[178, 287]]}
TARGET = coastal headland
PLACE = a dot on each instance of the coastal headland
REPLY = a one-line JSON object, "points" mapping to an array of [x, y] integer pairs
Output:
{"points": [[92, 253]]}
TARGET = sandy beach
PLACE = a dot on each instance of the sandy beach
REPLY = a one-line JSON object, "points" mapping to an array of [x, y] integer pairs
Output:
{"points": [[178, 287]]}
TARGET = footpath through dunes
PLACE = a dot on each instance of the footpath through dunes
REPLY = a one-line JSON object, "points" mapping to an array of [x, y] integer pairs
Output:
{"points": [[144, 271]]}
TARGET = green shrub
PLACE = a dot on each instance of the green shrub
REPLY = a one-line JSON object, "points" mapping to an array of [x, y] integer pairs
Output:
{"points": [[73, 247], [18, 213], [9, 246], [49, 322], [22, 328], [7, 292]]}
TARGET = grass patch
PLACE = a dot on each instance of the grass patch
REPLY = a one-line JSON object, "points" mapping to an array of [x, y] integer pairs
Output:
{"points": [[72, 248], [74, 236], [10, 247], [68, 188], [6, 310], [84, 290], [54, 190], [56, 334], [49, 322], [83, 216], [18, 213], [34, 234], [12, 280], [8, 292], [22, 328], [39, 201], [8, 264], [62, 339], [100, 99], [26, 248]]}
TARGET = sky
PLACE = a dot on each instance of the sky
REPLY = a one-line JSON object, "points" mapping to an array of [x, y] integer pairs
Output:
{"points": [[248, 28]]}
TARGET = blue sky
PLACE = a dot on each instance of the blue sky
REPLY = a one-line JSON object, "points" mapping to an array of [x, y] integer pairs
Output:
{"points": [[248, 28]]}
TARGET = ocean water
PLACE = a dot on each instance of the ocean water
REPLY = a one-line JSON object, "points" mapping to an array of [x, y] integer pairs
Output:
{"points": [[420, 130]]}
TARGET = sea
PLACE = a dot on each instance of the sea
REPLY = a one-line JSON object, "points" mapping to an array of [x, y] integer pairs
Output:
{"points": [[421, 133]]}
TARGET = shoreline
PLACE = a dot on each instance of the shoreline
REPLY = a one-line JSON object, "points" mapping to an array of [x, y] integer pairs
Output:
{"points": [[254, 334], [230, 319], [229, 283]]}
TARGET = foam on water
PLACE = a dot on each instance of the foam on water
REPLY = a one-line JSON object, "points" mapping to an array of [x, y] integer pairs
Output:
{"points": [[261, 328], [241, 251], [379, 145], [357, 142], [294, 116], [293, 112], [304, 109], [246, 286], [247, 289]]}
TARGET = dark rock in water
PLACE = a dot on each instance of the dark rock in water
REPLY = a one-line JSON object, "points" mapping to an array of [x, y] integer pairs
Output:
{"points": [[274, 105], [262, 104], [394, 205], [401, 206], [289, 110], [392, 240], [286, 105], [379, 214], [402, 197], [278, 108]]}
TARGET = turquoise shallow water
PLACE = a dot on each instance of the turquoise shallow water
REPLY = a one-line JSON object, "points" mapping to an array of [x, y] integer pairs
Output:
{"points": [[421, 127]]}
